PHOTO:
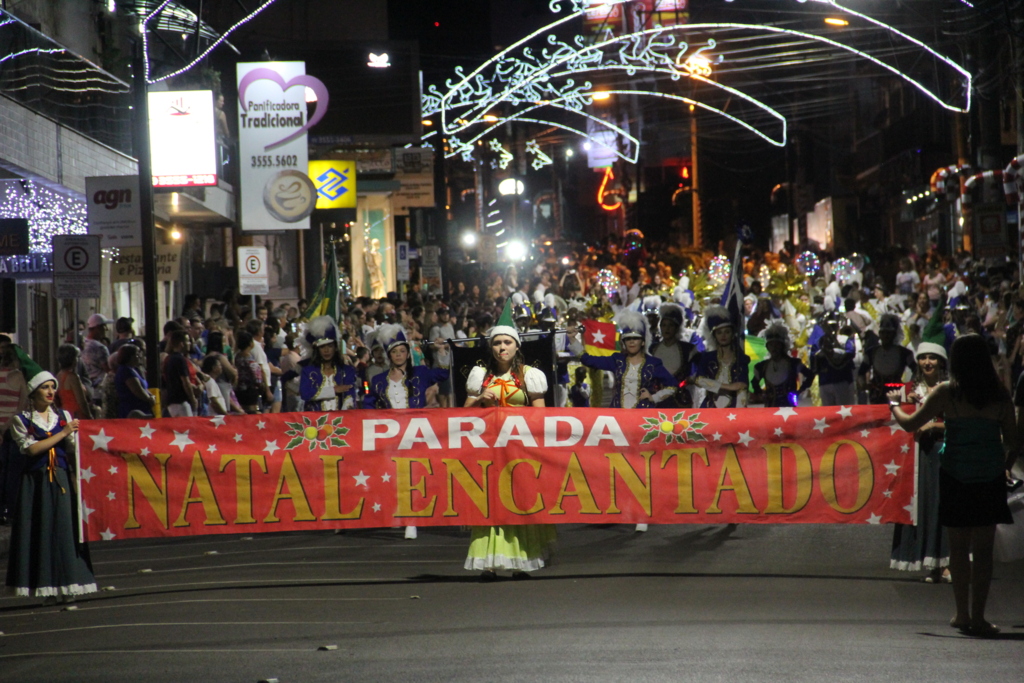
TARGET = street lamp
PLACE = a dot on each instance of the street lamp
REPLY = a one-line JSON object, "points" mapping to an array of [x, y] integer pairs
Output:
{"points": [[511, 186], [469, 240], [515, 250]]}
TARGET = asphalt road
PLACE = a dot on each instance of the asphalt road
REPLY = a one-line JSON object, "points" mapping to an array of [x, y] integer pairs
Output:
{"points": [[679, 603]]}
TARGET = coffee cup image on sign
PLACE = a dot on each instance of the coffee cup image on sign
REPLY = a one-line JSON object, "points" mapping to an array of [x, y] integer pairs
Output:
{"points": [[289, 196]]}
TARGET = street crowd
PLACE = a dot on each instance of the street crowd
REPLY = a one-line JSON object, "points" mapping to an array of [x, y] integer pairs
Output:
{"points": [[937, 338]]}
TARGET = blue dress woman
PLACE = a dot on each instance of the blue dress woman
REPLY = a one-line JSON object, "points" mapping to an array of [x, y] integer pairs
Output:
{"points": [[326, 383], [723, 370], [779, 379], [46, 559], [404, 385], [641, 380]]}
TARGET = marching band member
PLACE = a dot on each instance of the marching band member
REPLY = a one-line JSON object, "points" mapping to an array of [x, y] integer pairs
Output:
{"points": [[780, 373], [326, 382], [675, 354], [403, 385], [507, 381], [722, 370], [887, 361]]}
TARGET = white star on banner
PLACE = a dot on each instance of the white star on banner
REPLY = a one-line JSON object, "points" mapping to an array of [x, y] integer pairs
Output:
{"points": [[745, 438], [147, 432], [237, 438], [261, 424], [144, 451], [912, 509], [730, 417], [218, 420], [778, 431], [887, 494], [785, 413], [716, 436], [111, 495], [386, 477], [904, 448], [107, 535], [86, 511], [212, 448], [100, 441], [892, 468], [361, 479], [113, 469], [893, 428], [376, 507], [845, 412], [820, 425], [864, 433], [598, 337], [87, 474], [181, 440], [874, 519], [271, 447]]}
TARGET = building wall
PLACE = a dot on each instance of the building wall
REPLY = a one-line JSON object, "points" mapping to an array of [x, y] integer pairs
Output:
{"points": [[72, 23], [42, 148]]}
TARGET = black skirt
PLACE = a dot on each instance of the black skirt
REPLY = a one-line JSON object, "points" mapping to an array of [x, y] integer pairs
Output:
{"points": [[975, 504]]}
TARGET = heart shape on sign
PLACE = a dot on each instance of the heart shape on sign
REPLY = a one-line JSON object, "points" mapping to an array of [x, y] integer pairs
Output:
{"points": [[313, 83]]}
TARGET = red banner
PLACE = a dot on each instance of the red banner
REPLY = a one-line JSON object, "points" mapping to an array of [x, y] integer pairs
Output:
{"points": [[383, 468]]}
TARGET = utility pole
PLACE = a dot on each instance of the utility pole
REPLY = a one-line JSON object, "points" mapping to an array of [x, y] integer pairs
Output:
{"points": [[698, 236], [140, 143]]}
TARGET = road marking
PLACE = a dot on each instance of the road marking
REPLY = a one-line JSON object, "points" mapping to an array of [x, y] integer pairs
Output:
{"points": [[98, 627]]}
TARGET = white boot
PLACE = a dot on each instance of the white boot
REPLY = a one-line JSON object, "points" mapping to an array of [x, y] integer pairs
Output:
{"points": [[410, 532], [641, 528]]}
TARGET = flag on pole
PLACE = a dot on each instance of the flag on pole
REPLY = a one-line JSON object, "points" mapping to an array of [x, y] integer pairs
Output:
{"points": [[599, 338], [325, 300], [756, 350]]}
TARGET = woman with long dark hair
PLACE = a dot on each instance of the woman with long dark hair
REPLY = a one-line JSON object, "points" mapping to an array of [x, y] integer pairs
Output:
{"points": [[981, 446], [507, 381]]}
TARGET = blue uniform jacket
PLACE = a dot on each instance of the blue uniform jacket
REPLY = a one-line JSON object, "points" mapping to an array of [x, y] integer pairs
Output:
{"points": [[653, 375], [312, 379], [419, 380]]}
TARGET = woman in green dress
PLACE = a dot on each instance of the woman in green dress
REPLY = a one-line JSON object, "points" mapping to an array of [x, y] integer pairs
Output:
{"points": [[507, 381]]}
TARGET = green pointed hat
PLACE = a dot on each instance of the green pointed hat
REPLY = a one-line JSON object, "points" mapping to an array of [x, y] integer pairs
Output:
{"points": [[506, 324], [35, 376], [933, 336]]}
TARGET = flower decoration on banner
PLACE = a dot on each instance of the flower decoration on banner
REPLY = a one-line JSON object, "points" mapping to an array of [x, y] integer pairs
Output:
{"points": [[540, 159], [609, 282], [843, 270], [504, 156], [719, 269], [679, 429], [808, 263], [323, 433]]}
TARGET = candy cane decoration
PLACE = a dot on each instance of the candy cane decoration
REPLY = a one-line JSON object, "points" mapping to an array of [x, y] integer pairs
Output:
{"points": [[946, 180], [990, 177], [1011, 180]]}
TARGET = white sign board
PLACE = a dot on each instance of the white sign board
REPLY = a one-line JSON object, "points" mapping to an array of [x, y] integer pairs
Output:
{"points": [[113, 210], [76, 266], [253, 274], [182, 138], [277, 193], [402, 261]]}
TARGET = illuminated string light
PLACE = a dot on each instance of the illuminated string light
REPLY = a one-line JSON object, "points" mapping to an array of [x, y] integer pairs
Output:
{"points": [[719, 270], [207, 51], [808, 263], [49, 213], [529, 79], [540, 159], [504, 156], [608, 281]]}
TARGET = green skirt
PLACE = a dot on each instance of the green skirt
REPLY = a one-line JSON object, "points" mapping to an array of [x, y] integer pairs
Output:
{"points": [[520, 548], [45, 557]]}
